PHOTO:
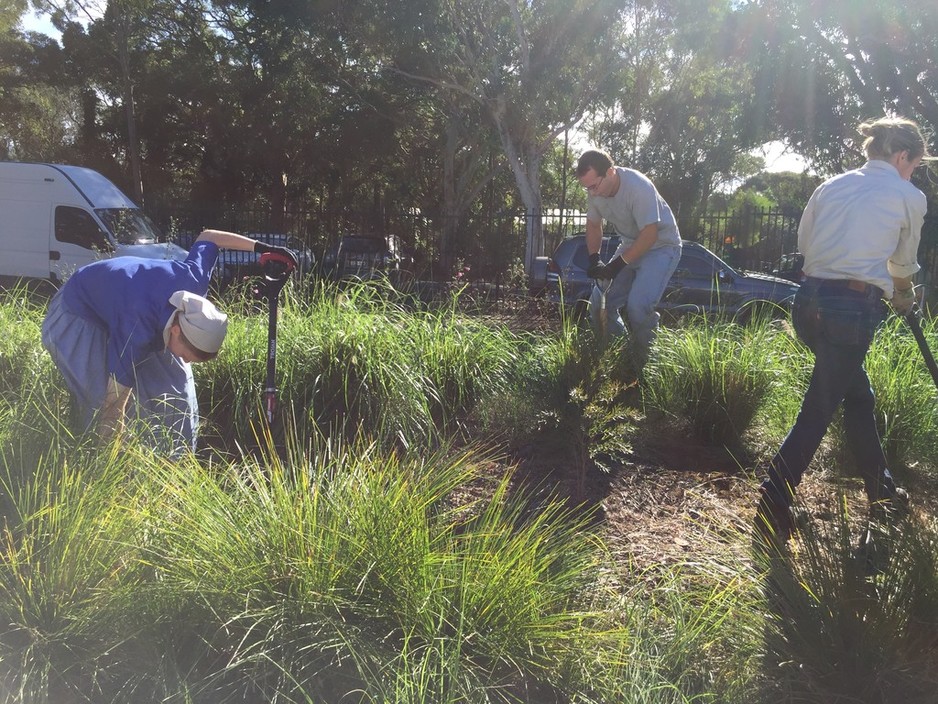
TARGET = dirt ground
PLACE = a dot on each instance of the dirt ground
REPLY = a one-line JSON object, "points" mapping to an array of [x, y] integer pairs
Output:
{"points": [[676, 496]]}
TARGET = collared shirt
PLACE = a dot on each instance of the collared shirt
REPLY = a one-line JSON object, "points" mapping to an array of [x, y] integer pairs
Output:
{"points": [[635, 205], [865, 225]]}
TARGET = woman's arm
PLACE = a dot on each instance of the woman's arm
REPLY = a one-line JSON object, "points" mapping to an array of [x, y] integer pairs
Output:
{"points": [[111, 418], [227, 240]]}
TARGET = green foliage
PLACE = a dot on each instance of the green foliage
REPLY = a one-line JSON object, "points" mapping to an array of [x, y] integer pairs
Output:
{"points": [[65, 570], [906, 398], [577, 393], [788, 191], [718, 376], [819, 93], [354, 361], [22, 359], [327, 569], [838, 634]]}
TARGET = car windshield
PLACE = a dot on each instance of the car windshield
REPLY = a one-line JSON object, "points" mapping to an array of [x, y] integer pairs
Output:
{"points": [[129, 225]]}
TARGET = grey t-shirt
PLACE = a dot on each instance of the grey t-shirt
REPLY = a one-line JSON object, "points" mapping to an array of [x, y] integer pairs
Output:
{"points": [[636, 204]]}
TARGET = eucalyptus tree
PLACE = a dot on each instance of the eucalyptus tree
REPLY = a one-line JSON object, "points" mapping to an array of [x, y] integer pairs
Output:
{"points": [[109, 36], [37, 105], [826, 65], [531, 68], [685, 111]]}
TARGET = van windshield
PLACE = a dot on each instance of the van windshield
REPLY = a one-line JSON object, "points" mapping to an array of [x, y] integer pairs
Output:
{"points": [[129, 225]]}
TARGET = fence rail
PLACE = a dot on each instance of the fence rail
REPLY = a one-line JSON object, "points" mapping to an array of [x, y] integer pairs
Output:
{"points": [[489, 245]]}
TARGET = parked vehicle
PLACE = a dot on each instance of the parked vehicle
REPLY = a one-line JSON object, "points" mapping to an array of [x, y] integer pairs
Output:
{"points": [[702, 282], [363, 257], [790, 266], [234, 265], [57, 218], [537, 279]]}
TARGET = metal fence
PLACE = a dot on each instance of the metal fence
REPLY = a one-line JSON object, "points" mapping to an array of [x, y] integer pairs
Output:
{"points": [[751, 239], [487, 246]]}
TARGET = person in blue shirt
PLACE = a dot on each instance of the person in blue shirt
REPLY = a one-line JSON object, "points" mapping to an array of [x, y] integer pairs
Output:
{"points": [[128, 327]]}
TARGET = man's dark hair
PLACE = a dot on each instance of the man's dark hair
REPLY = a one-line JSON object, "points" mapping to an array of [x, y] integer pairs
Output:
{"points": [[594, 159]]}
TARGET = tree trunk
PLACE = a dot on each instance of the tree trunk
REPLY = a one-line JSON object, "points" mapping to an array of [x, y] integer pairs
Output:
{"points": [[527, 171], [127, 88], [450, 206]]}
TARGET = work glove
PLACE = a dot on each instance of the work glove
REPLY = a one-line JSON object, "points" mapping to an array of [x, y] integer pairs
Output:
{"points": [[285, 254], [609, 271], [595, 265], [903, 300]]}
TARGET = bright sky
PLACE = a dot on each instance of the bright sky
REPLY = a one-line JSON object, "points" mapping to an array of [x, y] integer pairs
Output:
{"points": [[779, 158], [35, 23]]}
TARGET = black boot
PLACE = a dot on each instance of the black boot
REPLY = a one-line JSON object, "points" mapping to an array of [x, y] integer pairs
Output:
{"points": [[774, 524]]}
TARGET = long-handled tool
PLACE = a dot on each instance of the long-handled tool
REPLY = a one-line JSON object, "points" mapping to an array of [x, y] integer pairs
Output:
{"points": [[276, 269], [871, 553], [913, 318], [603, 315]]}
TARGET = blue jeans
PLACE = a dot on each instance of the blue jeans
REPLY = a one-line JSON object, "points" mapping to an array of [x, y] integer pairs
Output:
{"points": [[638, 288], [837, 324]]}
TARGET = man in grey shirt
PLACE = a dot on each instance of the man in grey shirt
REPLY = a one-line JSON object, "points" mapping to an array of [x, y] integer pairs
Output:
{"points": [[648, 255]]}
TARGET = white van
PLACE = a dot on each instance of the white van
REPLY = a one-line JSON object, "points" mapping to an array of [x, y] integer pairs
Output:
{"points": [[56, 218]]}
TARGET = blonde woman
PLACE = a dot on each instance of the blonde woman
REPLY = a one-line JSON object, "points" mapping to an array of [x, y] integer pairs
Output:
{"points": [[859, 235]]}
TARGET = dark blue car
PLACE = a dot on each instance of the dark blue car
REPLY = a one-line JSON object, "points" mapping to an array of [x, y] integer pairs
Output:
{"points": [[702, 283]]}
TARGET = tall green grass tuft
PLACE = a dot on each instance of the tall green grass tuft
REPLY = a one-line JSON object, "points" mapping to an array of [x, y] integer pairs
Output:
{"points": [[362, 571], [22, 358], [34, 403], [351, 361], [66, 569], [838, 633], [906, 397], [719, 376]]}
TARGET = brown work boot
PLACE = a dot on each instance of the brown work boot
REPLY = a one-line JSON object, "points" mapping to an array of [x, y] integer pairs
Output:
{"points": [[774, 524]]}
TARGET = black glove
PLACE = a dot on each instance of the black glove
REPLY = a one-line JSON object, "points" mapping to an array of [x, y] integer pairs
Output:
{"points": [[595, 265], [288, 255], [609, 271]]}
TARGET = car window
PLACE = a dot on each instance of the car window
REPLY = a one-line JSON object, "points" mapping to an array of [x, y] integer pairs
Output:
{"points": [[581, 258], [129, 225], [76, 226], [692, 264]]}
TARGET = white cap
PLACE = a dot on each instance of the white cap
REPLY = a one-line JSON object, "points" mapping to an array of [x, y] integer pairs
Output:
{"points": [[200, 321]]}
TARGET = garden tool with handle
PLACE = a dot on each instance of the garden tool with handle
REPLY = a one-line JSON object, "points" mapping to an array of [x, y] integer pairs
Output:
{"points": [[603, 316], [275, 269], [913, 318]]}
